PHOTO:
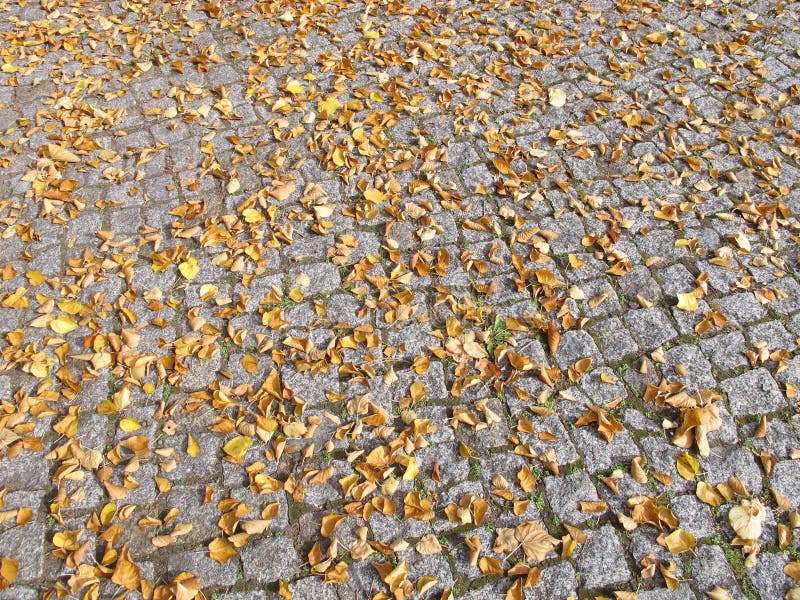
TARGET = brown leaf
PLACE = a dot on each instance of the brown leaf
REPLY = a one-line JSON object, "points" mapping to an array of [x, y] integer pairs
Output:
{"points": [[126, 573], [474, 547], [536, 543], [428, 544], [330, 523], [8, 571], [553, 338], [708, 494], [417, 507], [490, 566], [221, 550], [792, 569]]}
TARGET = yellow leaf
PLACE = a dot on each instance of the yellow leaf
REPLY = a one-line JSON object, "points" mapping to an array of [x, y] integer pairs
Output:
{"points": [[294, 87], [107, 513], [63, 324], [126, 572], [284, 590], [330, 523], [680, 541], [687, 302], [221, 550], [251, 215], [656, 37], [428, 544], [238, 446], [374, 196], [328, 106], [192, 446], [412, 470], [208, 291], [189, 268], [40, 364], [36, 277], [294, 429], [687, 465], [71, 307], [699, 63], [129, 424], [250, 363]]}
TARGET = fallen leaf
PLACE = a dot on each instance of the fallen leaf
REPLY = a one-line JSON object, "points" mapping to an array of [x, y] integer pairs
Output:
{"points": [[428, 544], [238, 446], [680, 541], [687, 465], [221, 550], [688, 302], [747, 518], [189, 268], [556, 97]]}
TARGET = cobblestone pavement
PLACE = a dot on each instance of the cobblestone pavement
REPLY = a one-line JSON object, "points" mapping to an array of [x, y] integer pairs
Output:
{"points": [[337, 299]]}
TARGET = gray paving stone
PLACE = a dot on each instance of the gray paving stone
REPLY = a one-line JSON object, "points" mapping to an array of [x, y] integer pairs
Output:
{"points": [[18, 593], [26, 471], [438, 77], [651, 327], [725, 351], [738, 462], [639, 282], [574, 346], [615, 341], [565, 493], [753, 392], [602, 559], [25, 544], [313, 587], [768, 576], [774, 334], [786, 480], [269, 560], [741, 308], [694, 516], [698, 370], [557, 581], [684, 592], [252, 595], [710, 569], [198, 562], [598, 453]]}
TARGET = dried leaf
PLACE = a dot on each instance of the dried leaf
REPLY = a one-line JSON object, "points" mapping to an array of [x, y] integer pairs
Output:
{"points": [[221, 550], [687, 465], [556, 97], [747, 518], [680, 541]]}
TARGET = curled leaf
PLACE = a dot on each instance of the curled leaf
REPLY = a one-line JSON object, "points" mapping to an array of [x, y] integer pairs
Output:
{"points": [[747, 518]]}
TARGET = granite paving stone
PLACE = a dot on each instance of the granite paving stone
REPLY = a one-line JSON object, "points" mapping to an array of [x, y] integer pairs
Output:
{"points": [[270, 560], [753, 392], [602, 560]]}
